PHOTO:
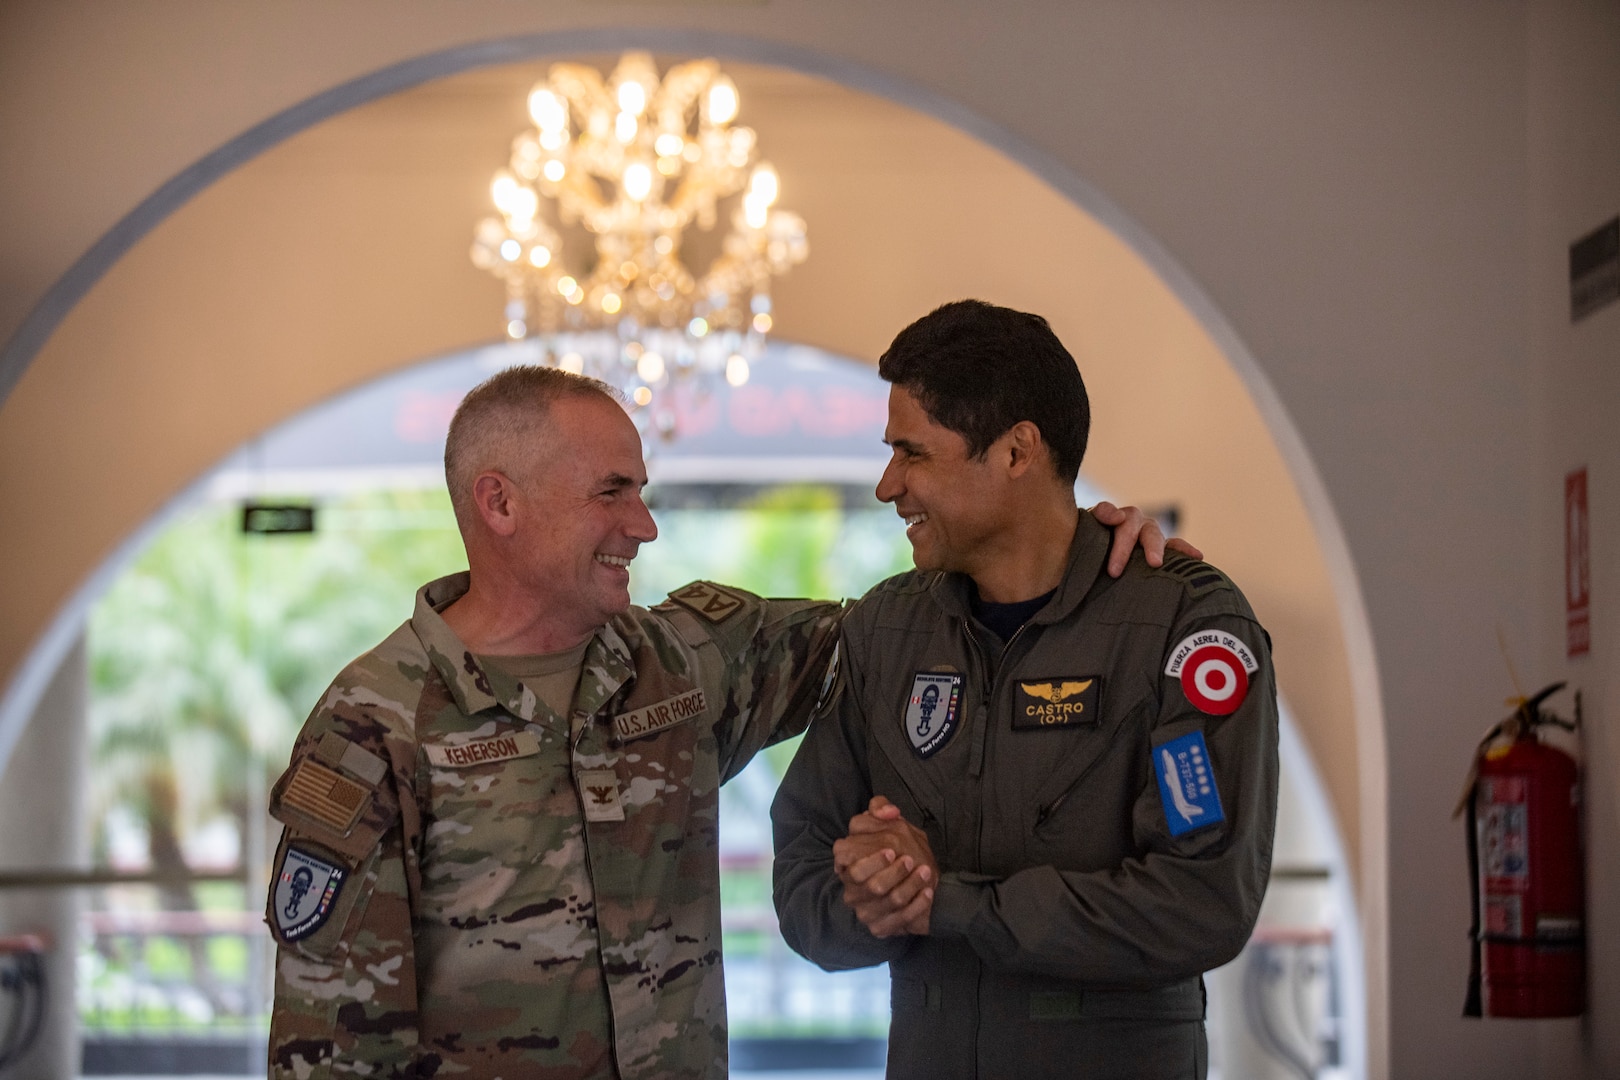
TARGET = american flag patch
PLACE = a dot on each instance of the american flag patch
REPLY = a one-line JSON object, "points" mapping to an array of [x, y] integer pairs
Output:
{"points": [[322, 794]]}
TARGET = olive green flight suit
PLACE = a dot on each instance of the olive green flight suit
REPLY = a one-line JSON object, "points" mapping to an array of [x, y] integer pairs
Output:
{"points": [[1083, 891]]}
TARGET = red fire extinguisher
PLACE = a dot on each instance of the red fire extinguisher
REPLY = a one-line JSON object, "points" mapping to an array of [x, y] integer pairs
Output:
{"points": [[1524, 863]]}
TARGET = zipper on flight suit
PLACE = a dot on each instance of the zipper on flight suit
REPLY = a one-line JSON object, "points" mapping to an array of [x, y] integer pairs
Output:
{"points": [[976, 769]]}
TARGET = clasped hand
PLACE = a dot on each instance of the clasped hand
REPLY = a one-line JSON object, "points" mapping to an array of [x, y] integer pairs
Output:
{"points": [[888, 871]]}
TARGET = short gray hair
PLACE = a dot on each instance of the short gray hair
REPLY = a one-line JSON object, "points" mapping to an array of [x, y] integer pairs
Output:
{"points": [[498, 423]]}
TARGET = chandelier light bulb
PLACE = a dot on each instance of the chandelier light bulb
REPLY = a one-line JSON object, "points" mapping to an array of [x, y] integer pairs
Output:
{"points": [[632, 97], [502, 190], [539, 256], [566, 285], [650, 367], [723, 101], [642, 396], [515, 329], [736, 370], [549, 113], [611, 303], [764, 185], [669, 144], [638, 181], [755, 211], [554, 170], [524, 205], [510, 250], [624, 127], [762, 323]]}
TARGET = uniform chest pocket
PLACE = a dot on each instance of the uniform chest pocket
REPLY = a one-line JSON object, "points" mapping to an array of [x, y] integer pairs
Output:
{"points": [[493, 792], [1097, 773]]}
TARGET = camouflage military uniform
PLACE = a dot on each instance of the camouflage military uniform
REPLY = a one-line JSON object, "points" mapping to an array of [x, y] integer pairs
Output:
{"points": [[466, 886]]}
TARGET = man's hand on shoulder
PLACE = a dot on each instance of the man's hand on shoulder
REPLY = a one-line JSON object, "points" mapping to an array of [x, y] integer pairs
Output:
{"points": [[1132, 527], [888, 870]]}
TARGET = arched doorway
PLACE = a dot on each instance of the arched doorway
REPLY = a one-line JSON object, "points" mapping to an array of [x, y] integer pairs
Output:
{"points": [[290, 278]]}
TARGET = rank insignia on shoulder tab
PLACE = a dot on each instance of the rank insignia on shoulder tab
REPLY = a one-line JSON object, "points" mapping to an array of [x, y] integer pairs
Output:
{"points": [[1214, 668], [307, 885], [709, 601], [1187, 784], [325, 796], [1047, 704], [931, 711]]}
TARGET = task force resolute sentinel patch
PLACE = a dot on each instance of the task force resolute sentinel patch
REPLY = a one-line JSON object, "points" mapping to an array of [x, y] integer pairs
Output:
{"points": [[931, 711], [307, 886]]}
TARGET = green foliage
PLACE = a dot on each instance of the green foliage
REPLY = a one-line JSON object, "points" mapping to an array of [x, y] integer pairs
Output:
{"points": [[211, 647], [209, 650]]}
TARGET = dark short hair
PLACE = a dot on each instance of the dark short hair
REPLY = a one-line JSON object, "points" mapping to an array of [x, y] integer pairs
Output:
{"points": [[978, 369]]}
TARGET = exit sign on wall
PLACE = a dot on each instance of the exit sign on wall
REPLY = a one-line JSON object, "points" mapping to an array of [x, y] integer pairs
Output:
{"points": [[1577, 566]]}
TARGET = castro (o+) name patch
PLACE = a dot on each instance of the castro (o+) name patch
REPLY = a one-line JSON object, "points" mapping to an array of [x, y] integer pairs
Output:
{"points": [[1054, 703], [931, 710], [307, 885], [1214, 668]]}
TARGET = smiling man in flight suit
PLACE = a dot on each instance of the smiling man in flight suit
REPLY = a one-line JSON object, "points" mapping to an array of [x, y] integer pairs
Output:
{"points": [[1046, 796], [501, 823]]}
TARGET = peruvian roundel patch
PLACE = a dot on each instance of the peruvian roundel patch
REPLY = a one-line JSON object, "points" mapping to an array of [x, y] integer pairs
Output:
{"points": [[1214, 668], [307, 885]]}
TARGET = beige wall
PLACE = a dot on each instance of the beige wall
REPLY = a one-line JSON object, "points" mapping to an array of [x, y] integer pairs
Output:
{"points": [[1575, 158], [1341, 190]]}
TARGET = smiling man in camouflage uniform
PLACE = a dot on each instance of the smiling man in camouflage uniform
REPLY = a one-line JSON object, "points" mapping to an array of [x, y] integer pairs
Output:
{"points": [[500, 848]]}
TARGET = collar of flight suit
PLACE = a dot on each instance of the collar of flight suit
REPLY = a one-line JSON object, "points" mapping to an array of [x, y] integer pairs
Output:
{"points": [[1088, 552], [476, 687]]}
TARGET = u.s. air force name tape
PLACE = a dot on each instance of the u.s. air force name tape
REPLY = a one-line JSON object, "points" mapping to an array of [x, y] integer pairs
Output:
{"points": [[1214, 668], [489, 750], [931, 711], [658, 716], [1187, 784], [307, 885]]}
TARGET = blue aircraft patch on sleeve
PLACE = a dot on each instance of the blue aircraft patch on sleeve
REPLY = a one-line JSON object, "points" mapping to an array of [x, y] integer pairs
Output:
{"points": [[1187, 784]]}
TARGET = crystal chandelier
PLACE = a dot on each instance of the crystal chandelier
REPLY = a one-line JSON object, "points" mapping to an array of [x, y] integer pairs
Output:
{"points": [[636, 161]]}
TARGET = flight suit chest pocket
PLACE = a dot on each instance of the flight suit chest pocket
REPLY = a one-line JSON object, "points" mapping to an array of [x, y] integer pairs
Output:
{"points": [[1093, 779]]}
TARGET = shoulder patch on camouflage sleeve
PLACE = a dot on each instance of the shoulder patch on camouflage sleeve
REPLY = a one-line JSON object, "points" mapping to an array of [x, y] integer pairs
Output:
{"points": [[326, 796], [708, 601], [1198, 577]]}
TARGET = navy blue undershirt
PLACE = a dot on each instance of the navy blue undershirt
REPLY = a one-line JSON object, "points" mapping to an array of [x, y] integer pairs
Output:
{"points": [[1003, 620]]}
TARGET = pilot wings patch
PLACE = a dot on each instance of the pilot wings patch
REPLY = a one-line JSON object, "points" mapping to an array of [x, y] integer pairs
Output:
{"points": [[1066, 701]]}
